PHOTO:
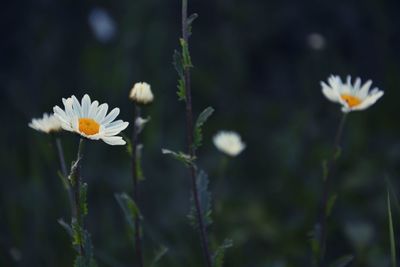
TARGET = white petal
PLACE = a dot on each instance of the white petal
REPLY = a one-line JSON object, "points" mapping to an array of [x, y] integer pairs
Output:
{"points": [[330, 94], [76, 106], [85, 105], [101, 113], [114, 140], [369, 101], [364, 89], [110, 117], [93, 109]]}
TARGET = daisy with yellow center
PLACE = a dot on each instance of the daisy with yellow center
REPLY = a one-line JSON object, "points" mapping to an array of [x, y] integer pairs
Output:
{"points": [[46, 124], [352, 97], [90, 120]]}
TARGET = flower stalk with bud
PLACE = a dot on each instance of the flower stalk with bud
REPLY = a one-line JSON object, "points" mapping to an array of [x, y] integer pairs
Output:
{"points": [[140, 94]]}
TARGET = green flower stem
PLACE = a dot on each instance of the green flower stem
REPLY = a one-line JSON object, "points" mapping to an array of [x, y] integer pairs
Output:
{"points": [[189, 133], [135, 178], [76, 181], [60, 152], [326, 191]]}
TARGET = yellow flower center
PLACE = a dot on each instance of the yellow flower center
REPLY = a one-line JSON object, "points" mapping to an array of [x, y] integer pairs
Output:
{"points": [[351, 100], [88, 126]]}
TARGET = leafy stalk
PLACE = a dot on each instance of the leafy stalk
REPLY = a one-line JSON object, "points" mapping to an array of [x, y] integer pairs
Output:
{"points": [[187, 64]]}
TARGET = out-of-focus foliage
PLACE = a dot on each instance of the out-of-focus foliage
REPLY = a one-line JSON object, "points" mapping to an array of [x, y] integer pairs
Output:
{"points": [[258, 63]]}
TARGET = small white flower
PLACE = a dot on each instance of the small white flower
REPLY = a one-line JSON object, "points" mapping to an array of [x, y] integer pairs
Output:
{"points": [[229, 143], [352, 97], [141, 93], [46, 124], [89, 120]]}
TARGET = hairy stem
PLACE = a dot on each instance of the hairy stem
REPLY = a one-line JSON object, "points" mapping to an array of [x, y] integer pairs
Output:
{"points": [[135, 178], [60, 152], [189, 139], [326, 191]]}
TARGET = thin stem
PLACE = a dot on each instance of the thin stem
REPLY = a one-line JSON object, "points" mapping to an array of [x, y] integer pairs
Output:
{"points": [[189, 137], [135, 178], [60, 152], [326, 190], [76, 174]]}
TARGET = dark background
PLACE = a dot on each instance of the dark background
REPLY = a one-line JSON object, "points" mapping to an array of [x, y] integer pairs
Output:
{"points": [[258, 65]]}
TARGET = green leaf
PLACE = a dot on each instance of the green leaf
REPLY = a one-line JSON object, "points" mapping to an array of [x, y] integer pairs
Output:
{"points": [[391, 231], [66, 226], [178, 64], [204, 200], [77, 233], [181, 90], [83, 199], [329, 205], [198, 135], [80, 262], [186, 60], [189, 21], [185, 158], [343, 261], [129, 208], [218, 259], [338, 152], [159, 255], [315, 237], [64, 180]]}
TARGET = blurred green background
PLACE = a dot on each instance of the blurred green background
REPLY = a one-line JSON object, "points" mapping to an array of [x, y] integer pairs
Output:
{"points": [[259, 64]]}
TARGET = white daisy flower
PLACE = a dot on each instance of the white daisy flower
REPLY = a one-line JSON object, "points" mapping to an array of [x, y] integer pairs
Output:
{"points": [[229, 143], [351, 96], [46, 124], [141, 93], [89, 120]]}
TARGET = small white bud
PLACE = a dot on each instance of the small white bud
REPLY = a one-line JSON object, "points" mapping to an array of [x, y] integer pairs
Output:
{"points": [[141, 93]]}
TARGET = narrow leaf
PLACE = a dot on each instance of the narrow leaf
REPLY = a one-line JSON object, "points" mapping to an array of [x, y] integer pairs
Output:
{"points": [[329, 205], [83, 199], [186, 159], [204, 201], [129, 208], [218, 259], [159, 255], [198, 135], [66, 226], [391, 231], [343, 261]]}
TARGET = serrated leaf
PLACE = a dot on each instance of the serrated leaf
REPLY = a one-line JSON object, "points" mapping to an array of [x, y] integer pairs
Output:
{"points": [[204, 200], [186, 60], [181, 90], [198, 135], [329, 205], [218, 259], [129, 208], [343, 261], [159, 255], [185, 158]]}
